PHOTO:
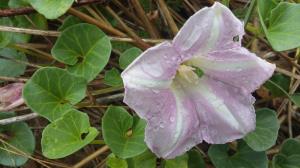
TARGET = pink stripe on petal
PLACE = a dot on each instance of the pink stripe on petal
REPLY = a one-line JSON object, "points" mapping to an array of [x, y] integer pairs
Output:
{"points": [[181, 112], [225, 113], [154, 68], [209, 29], [170, 123], [237, 67]]}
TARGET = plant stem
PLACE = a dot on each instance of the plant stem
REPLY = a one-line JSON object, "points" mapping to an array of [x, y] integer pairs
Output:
{"points": [[138, 41], [166, 13], [107, 90], [91, 157], [91, 20]]}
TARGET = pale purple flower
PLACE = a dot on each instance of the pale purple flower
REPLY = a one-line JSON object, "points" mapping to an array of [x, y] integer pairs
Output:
{"points": [[11, 96], [182, 108]]}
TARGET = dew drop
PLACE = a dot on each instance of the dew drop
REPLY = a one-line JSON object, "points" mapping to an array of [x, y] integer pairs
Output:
{"points": [[168, 62], [239, 69], [172, 118], [155, 91], [156, 128], [187, 148], [161, 124]]}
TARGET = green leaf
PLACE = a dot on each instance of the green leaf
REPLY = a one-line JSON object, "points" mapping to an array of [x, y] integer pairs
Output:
{"points": [[264, 10], [195, 159], [144, 160], [69, 21], [115, 162], [244, 157], [128, 56], [11, 68], [113, 77], [17, 3], [3, 4], [85, 52], [19, 136], [67, 135], [282, 81], [35, 21], [121, 46], [5, 37], [284, 26], [265, 134], [51, 92], [225, 2], [288, 156], [178, 162], [122, 141], [296, 99], [51, 9]]}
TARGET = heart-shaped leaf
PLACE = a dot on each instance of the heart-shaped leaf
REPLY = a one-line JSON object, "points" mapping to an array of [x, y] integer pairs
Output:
{"points": [[296, 99], [195, 159], [123, 133], [280, 80], [9, 67], [128, 56], [178, 162], [144, 160], [284, 26], [67, 135], [244, 157], [69, 21], [51, 92], [19, 136], [115, 162], [288, 156], [36, 21], [5, 37], [51, 9], [84, 48], [113, 77], [264, 10], [265, 134]]}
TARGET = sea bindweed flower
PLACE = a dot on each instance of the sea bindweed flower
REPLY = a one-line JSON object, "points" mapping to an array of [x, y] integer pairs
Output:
{"points": [[197, 87], [11, 96]]}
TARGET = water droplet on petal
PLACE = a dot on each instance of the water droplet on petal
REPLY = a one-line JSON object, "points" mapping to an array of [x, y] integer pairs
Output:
{"points": [[239, 69], [187, 148], [161, 124], [155, 91], [172, 118], [156, 128]]}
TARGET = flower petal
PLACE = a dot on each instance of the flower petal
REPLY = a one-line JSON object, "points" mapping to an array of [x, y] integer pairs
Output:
{"points": [[147, 91], [183, 115], [224, 112], [11, 96], [170, 123], [155, 68], [237, 67], [209, 29]]}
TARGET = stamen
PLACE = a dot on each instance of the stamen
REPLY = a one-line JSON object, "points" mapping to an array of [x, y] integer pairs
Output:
{"points": [[189, 73]]}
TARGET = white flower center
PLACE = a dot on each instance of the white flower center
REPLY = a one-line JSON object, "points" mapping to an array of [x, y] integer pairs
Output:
{"points": [[188, 73]]}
